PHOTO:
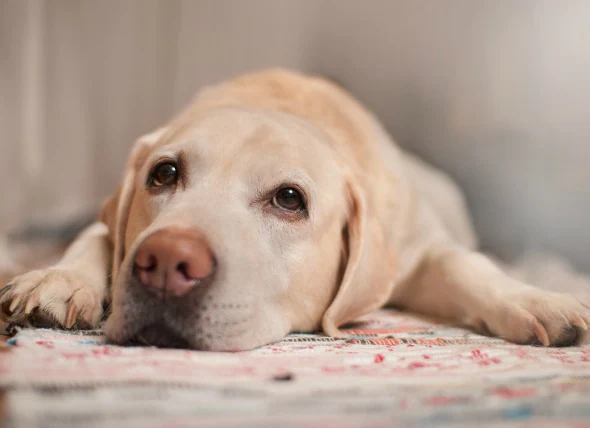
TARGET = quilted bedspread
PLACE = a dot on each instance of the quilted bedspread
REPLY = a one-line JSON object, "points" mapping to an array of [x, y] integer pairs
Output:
{"points": [[391, 369]]}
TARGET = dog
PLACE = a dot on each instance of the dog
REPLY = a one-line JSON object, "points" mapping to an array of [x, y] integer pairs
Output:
{"points": [[277, 203]]}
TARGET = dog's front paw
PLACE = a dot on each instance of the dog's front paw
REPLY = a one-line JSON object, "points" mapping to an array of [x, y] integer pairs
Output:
{"points": [[53, 297], [535, 316]]}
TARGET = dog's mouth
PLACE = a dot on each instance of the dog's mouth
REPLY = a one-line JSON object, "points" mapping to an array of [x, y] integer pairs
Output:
{"points": [[200, 320], [159, 334]]}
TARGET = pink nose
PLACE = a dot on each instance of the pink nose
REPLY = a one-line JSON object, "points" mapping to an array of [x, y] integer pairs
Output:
{"points": [[173, 261]]}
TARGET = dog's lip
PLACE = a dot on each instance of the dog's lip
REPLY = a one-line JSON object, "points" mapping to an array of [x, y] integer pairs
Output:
{"points": [[119, 333], [127, 322], [159, 328], [141, 336], [133, 332], [123, 321]]}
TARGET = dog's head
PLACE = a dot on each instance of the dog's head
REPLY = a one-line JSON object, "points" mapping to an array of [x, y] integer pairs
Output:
{"points": [[235, 228]]}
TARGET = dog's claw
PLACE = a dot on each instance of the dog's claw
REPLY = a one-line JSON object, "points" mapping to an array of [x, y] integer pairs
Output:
{"points": [[541, 333], [14, 304], [579, 322], [5, 290], [71, 315], [32, 303]]}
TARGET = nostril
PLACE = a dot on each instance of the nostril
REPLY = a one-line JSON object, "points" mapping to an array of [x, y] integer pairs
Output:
{"points": [[196, 269], [182, 267], [148, 264]]}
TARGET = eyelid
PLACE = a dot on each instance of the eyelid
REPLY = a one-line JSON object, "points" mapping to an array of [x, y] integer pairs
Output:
{"points": [[163, 158]]}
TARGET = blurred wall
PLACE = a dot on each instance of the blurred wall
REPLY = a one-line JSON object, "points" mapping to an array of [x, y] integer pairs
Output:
{"points": [[496, 93]]}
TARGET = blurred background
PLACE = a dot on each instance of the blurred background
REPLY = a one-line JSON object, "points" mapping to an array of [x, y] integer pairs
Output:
{"points": [[495, 93]]}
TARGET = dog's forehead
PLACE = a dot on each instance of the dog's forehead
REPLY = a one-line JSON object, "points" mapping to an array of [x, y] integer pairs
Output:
{"points": [[243, 139], [235, 127]]}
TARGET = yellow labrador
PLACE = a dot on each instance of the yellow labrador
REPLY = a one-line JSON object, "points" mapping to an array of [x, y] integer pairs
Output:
{"points": [[277, 203]]}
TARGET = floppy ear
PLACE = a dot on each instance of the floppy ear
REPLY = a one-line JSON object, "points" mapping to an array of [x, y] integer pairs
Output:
{"points": [[108, 211], [367, 281], [115, 210]]}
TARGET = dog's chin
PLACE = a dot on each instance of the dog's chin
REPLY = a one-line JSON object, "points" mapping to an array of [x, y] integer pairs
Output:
{"points": [[160, 335], [168, 332], [163, 335]]}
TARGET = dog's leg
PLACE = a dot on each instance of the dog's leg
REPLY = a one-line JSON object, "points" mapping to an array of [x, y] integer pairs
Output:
{"points": [[468, 288], [67, 294]]}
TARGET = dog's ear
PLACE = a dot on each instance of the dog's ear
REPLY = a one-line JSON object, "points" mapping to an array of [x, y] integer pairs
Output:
{"points": [[367, 280], [108, 211], [115, 210]]}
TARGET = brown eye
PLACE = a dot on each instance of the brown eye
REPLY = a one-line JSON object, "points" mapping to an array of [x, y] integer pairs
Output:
{"points": [[289, 198], [164, 174]]}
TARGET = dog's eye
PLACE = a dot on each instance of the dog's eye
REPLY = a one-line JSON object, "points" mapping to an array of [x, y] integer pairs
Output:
{"points": [[289, 198], [164, 174]]}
